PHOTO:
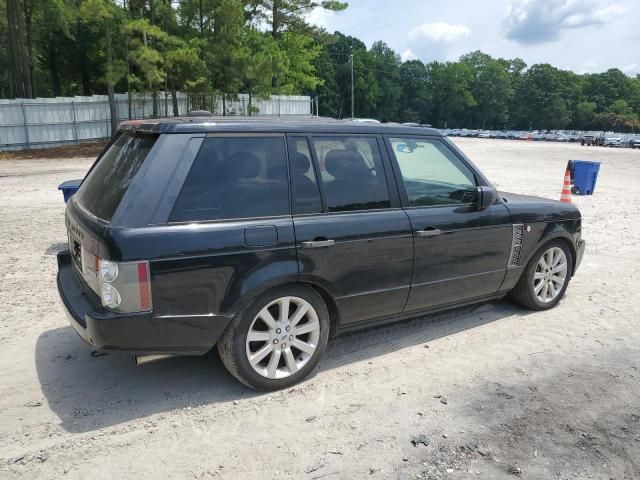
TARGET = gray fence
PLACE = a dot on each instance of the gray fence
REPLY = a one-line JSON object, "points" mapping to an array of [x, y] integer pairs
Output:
{"points": [[47, 122]]}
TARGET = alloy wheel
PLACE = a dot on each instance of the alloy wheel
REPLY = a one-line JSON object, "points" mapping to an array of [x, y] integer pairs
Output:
{"points": [[550, 275], [283, 337]]}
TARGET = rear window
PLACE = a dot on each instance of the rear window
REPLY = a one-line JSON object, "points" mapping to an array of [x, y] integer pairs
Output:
{"points": [[105, 185], [235, 177]]}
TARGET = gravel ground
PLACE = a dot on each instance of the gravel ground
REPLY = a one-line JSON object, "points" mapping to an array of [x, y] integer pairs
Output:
{"points": [[490, 391]]}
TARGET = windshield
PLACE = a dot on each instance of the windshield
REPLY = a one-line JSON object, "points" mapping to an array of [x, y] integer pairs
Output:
{"points": [[105, 185]]}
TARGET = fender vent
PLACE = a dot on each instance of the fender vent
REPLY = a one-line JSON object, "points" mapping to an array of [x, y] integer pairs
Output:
{"points": [[516, 245]]}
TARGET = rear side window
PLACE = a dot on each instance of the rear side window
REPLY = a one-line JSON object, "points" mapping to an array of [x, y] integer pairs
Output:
{"points": [[352, 173], [305, 184], [105, 185], [235, 177]]}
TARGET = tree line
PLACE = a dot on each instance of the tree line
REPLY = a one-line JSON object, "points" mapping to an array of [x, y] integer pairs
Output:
{"points": [[264, 47]]}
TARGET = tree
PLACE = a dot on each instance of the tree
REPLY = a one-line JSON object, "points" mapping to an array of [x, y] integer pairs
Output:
{"points": [[544, 96], [450, 82], [491, 88], [585, 111], [20, 73], [105, 13], [288, 15], [415, 100]]}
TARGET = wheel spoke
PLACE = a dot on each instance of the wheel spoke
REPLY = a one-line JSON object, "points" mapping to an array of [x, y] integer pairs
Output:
{"points": [[284, 308], [538, 276], [256, 336], [559, 268], [301, 312], [543, 262], [260, 354], [273, 363], [266, 317], [291, 362], [304, 346], [552, 290], [307, 328], [545, 291], [538, 287], [558, 280]]}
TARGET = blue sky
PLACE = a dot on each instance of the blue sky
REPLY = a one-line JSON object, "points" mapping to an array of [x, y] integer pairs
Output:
{"points": [[581, 35]]}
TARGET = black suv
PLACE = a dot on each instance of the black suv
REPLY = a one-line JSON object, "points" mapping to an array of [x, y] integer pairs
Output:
{"points": [[267, 236]]}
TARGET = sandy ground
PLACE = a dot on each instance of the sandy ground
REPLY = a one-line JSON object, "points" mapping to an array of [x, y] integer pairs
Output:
{"points": [[493, 390]]}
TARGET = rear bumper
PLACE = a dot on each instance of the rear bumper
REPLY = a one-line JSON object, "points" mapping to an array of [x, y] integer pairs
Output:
{"points": [[580, 247], [137, 333]]}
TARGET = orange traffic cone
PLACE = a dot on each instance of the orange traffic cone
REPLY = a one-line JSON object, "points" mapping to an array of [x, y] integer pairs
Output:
{"points": [[566, 188]]}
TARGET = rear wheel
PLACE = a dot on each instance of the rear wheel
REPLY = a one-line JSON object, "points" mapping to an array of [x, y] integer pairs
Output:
{"points": [[546, 277], [277, 340]]}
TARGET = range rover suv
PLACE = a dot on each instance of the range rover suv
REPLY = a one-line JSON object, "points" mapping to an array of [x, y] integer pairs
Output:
{"points": [[266, 237]]}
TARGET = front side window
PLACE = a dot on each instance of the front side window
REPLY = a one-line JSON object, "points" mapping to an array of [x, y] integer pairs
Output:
{"points": [[352, 173], [432, 174], [235, 177], [106, 184]]}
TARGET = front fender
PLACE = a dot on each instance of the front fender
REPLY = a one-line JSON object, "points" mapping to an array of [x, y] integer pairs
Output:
{"points": [[537, 234]]}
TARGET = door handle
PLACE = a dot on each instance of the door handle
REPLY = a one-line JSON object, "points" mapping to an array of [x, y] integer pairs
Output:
{"points": [[318, 243], [428, 232]]}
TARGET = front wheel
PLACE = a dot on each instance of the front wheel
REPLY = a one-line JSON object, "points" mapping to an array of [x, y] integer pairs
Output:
{"points": [[546, 277], [277, 340]]}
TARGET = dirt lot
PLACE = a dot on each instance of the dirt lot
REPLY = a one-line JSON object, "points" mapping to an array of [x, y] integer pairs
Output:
{"points": [[494, 391]]}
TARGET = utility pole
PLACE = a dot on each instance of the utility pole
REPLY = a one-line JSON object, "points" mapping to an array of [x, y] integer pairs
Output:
{"points": [[352, 93]]}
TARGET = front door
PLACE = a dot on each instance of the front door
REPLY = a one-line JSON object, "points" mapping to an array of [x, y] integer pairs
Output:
{"points": [[354, 239], [461, 252]]}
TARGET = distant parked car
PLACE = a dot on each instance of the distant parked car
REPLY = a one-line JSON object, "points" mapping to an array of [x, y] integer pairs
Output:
{"points": [[591, 138], [612, 141], [634, 142]]}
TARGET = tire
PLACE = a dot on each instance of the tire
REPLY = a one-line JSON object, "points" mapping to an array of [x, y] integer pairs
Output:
{"points": [[270, 348], [524, 292]]}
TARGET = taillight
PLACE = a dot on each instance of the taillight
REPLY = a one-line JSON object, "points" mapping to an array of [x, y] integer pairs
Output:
{"points": [[125, 286]]}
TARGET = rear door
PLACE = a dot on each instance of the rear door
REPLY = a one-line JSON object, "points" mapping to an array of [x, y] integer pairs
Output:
{"points": [[461, 252], [230, 230], [354, 239]]}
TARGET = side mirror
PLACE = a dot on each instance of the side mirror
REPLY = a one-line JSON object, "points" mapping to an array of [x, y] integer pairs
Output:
{"points": [[487, 196]]}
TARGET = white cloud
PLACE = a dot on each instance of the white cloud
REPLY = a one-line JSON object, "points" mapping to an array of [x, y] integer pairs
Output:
{"points": [[321, 17], [540, 21], [439, 32], [631, 69], [408, 55], [433, 41]]}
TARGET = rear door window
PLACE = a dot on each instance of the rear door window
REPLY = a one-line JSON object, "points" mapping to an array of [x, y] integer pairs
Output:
{"points": [[235, 177], [305, 183], [352, 173], [105, 185]]}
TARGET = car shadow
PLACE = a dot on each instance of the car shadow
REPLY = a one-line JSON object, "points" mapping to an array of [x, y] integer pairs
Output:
{"points": [[88, 390]]}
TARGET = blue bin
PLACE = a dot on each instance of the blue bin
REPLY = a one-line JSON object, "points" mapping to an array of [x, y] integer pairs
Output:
{"points": [[69, 188], [585, 175]]}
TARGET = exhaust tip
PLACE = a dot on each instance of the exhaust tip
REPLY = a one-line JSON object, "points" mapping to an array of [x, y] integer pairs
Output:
{"points": [[144, 359]]}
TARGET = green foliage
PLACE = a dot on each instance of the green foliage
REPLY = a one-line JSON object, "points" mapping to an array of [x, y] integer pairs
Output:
{"points": [[219, 48]]}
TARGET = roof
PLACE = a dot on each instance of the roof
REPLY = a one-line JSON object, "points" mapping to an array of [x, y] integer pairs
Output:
{"points": [[269, 124]]}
